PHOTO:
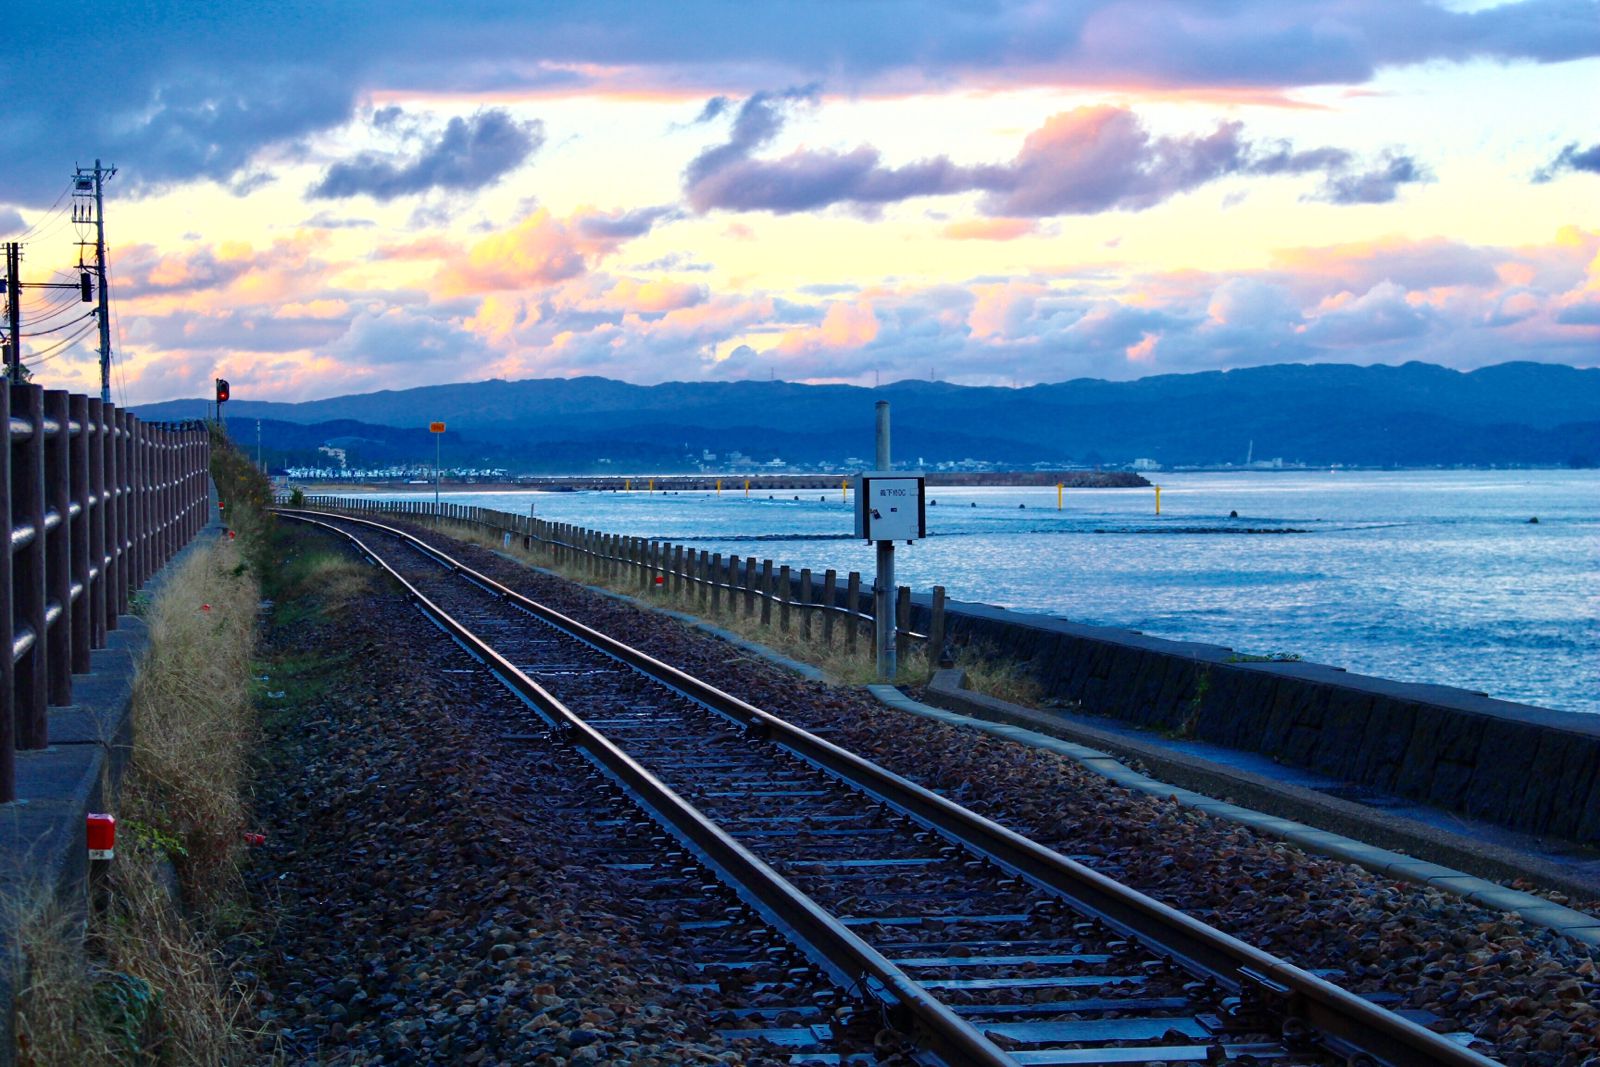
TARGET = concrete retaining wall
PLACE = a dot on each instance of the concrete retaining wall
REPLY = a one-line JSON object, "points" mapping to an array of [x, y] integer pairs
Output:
{"points": [[1528, 768]]}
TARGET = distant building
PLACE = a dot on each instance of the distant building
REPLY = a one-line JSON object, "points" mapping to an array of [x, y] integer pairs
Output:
{"points": [[1146, 465]]}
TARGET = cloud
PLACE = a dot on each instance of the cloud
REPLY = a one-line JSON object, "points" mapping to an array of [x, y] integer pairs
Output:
{"points": [[997, 229], [1379, 185], [621, 226], [542, 250], [1079, 162], [468, 154], [178, 98], [1571, 158], [254, 330], [399, 335], [1381, 315], [324, 220]]}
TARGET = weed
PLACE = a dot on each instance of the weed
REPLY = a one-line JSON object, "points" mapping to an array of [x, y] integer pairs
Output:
{"points": [[1270, 657], [1189, 728]]}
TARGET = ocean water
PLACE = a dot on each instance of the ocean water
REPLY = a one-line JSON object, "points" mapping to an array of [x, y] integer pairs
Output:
{"points": [[1421, 576]]}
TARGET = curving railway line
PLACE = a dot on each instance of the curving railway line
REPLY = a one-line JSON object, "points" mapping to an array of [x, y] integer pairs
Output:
{"points": [[983, 946]]}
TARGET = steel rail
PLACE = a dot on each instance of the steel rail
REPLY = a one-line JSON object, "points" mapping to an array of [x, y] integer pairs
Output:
{"points": [[843, 952], [1347, 1022]]}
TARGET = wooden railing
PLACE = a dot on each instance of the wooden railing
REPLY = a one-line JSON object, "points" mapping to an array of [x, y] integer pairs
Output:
{"points": [[96, 502]]}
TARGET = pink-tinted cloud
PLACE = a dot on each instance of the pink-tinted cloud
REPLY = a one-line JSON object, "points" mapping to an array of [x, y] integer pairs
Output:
{"points": [[541, 250], [997, 229], [1084, 161]]}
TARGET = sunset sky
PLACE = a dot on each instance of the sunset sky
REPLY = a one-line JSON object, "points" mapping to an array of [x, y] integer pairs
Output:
{"points": [[324, 198]]}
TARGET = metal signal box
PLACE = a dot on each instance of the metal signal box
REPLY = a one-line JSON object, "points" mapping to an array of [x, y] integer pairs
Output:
{"points": [[891, 506]]}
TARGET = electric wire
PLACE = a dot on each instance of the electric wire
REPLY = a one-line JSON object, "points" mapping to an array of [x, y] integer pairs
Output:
{"points": [[55, 329], [46, 216], [32, 317], [61, 347]]}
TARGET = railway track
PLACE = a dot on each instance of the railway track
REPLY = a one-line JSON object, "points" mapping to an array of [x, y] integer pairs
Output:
{"points": [[984, 946]]}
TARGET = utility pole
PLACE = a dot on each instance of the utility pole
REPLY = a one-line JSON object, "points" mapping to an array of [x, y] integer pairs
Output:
{"points": [[84, 182], [883, 586], [14, 312]]}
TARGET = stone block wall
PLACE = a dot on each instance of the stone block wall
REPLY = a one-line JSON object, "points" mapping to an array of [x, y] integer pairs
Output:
{"points": [[1527, 768]]}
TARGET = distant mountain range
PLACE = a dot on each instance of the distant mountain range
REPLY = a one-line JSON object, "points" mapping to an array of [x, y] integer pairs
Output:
{"points": [[1417, 414]]}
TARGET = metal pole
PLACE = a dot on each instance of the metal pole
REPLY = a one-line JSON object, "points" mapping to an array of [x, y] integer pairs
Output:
{"points": [[100, 269], [883, 584], [436, 438], [14, 311]]}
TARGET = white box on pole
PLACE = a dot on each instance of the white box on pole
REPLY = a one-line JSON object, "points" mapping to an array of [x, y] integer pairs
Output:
{"points": [[891, 506]]}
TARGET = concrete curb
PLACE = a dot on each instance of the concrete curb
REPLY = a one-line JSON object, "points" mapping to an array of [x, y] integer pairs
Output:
{"points": [[1575, 925]]}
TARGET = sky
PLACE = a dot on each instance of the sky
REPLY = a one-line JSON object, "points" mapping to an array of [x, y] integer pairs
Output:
{"points": [[314, 199]]}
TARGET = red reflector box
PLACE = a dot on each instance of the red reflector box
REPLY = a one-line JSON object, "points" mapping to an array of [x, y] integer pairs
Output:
{"points": [[102, 835]]}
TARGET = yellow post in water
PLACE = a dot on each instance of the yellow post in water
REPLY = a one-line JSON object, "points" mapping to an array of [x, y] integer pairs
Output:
{"points": [[719, 486], [652, 485], [627, 485], [747, 487], [1059, 487], [1158, 500], [844, 489]]}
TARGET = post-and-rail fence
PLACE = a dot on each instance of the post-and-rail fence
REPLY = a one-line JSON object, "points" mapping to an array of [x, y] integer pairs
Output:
{"points": [[749, 585], [96, 502]]}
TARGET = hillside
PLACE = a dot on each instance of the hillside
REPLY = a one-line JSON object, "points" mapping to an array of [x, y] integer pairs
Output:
{"points": [[1411, 415]]}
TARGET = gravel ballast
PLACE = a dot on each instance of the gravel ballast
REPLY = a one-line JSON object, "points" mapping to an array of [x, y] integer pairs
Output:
{"points": [[1532, 995], [440, 883]]}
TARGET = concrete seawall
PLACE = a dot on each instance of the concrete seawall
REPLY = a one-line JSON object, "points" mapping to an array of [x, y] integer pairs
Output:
{"points": [[1528, 768]]}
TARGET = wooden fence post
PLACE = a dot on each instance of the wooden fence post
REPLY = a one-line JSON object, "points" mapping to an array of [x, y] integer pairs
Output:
{"points": [[805, 603], [785, 592], [936, 629], [852, 605], [766, 592], [57, 543], [830, 603], [716, 583], [78, 492], [28, 567]]}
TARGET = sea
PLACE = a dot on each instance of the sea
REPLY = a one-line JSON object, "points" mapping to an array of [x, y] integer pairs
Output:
{"points": [[1428, 576]]}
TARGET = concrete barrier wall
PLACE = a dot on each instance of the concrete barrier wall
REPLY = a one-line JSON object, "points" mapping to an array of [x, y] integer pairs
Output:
{"points": [[1528, 768]]}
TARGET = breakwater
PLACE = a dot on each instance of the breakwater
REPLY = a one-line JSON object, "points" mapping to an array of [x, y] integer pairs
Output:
{"points": [[684, 483], [1527, 768]]}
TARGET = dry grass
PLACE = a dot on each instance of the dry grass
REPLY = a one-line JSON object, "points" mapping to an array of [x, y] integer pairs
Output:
{"points": [[141, 981], [137, 984], [987, 672], [193, 718]]}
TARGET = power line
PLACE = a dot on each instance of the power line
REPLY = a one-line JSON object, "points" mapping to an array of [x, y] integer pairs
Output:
{"points": [[49, 305], [60, 347], [54, 329], [42, 219]]}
